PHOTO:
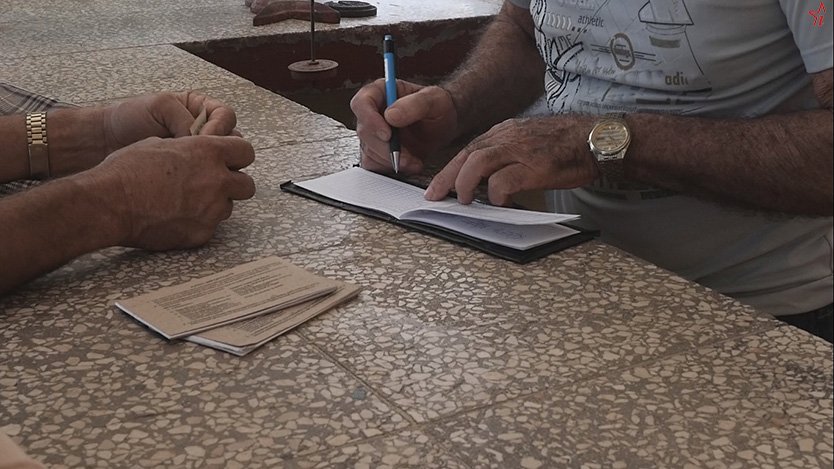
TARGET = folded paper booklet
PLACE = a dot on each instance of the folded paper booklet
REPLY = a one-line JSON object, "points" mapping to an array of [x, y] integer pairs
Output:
{"points": [[518, 235], [240, 338], [236, 294]]}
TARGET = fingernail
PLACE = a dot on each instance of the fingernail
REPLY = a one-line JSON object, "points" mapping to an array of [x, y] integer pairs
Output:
{"points": [[382, 135], [430, 193], [393, 114]]}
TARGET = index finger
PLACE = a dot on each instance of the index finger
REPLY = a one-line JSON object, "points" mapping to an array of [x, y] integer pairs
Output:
{"points": [[220, 121], [444, 181], [367, 105], [236, 152], [220, 118], [425, 103]]}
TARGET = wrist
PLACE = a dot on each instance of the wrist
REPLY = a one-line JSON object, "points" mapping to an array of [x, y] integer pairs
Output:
{"points": [[608, 140], [38, 145], [101, 198], [76, 140], [457, 104]]}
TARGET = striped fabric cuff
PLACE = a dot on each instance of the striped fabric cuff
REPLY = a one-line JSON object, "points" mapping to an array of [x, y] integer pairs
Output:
{"points": [[14, 100]]}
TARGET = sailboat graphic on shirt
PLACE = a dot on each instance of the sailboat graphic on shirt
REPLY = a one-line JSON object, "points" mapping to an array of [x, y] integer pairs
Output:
{"points": [[606, 56]]}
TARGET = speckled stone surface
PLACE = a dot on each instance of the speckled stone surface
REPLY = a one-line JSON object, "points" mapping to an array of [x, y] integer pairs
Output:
{"points": [[448, 358], [269, 120], [86, 77], [450, 340], [710, 407]]}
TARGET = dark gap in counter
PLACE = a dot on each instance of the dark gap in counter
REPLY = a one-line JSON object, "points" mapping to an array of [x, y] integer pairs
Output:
{"points": [[428, 51]]}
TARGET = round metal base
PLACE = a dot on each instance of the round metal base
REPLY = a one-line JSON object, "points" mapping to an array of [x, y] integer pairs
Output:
{"points": [[313, 69], [352, 9]]}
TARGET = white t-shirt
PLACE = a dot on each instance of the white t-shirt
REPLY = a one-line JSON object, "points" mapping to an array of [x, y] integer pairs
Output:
{"points": [[742, 58]]}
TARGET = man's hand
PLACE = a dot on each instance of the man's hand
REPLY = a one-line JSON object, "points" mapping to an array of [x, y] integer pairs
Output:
{"points": [[426, 118], [164, 115], [156, 194], [172, 193], [519, 155]]}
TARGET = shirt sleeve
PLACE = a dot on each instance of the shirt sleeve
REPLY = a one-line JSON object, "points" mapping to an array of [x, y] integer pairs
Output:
{"points": [[811, 22], [521, 3]]}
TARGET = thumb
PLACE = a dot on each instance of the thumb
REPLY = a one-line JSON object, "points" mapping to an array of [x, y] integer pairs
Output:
{"points": [[175, 117]]}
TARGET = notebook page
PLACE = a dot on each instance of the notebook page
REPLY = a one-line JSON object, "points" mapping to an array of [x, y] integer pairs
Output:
{"points": [[479, 211], [514, 236], [358, 186], [361, 187]]}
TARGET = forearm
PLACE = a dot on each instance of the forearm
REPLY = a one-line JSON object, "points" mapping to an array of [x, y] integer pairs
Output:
{"points": [[502, 76], [75, 137], [779, 162], [45, 227]]}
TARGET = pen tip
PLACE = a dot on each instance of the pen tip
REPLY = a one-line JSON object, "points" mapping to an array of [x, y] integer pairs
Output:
{"points": [[395, 161]]}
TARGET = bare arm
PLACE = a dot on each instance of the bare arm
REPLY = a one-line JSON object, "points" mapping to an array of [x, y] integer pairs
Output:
{"points": [[50, 225], [76, 143], [779, 162], [503, 75], [156, 193], [81, 138], [505, 63]]}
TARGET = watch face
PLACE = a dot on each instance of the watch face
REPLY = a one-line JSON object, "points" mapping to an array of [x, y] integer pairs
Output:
{"points": [[609, 136]]}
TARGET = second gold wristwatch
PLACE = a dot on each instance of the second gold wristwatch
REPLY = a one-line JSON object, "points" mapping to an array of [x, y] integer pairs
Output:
{"points": [[608, 141]]}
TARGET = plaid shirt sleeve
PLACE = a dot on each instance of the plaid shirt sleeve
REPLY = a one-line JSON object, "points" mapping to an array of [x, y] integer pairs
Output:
{"points": [[14, 100]]}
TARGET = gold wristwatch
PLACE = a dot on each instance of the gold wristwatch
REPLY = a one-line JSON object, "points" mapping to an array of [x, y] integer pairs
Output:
{"points": [[38, 145], [609, 140]]}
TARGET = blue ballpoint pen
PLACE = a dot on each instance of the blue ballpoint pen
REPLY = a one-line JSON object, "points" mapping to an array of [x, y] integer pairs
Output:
{"points": [[390, 58]]}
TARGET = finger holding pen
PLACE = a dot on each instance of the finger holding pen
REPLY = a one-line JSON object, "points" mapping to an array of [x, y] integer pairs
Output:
{"points": [[425, 117], [374, 123]]}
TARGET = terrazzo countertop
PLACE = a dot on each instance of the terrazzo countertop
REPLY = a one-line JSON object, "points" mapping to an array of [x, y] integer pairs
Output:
{"points": [[449, 358]]}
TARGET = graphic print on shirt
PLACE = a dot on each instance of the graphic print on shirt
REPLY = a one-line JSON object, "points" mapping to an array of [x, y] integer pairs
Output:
{"points": [[618, 56], [818, 15]]}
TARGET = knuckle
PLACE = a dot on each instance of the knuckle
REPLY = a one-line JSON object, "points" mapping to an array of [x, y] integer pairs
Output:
{"points": [[167, 96], [355, 101], [372, 153], [517, 123], [498, 195], [249, 153], [470, 147], [445, 178], [232, 117], [434, 89], [202, 236], [500, 183], [228, 209], [251, 188], [480, 156], [363, 132]]}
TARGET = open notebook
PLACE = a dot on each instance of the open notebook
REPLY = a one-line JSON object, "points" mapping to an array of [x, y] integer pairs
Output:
{"points": [[518, 235]]}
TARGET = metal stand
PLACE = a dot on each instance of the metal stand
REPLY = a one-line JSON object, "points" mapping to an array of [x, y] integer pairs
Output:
{"points": [[313, 69]]}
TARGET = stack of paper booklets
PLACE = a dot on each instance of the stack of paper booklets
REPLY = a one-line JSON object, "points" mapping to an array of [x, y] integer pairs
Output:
{"points": [[239, 309]]}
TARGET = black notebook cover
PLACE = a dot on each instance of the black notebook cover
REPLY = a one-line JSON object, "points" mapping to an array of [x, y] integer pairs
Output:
{"points": [[504, 252]]}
